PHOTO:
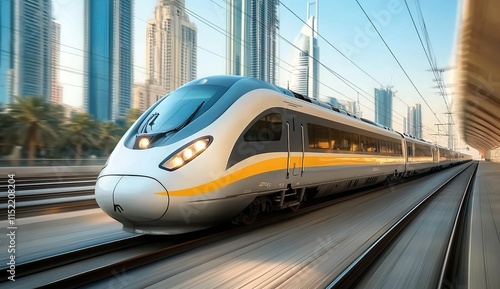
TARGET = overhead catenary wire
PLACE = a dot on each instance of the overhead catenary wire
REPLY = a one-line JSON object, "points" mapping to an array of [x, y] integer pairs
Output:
{"points": [[343, 79], [429, 53], [340, 77], [398, 62], [330, 44]]}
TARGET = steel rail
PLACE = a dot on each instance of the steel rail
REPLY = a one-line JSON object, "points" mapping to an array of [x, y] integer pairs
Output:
{"points": [[58, 260], [214, 234], [455, 235], [353, 272]]}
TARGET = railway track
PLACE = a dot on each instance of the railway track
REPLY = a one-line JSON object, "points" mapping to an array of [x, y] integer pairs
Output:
{"points": [[87, 265], [353, 274], [43, 195], [30, 183], [55, 261]]}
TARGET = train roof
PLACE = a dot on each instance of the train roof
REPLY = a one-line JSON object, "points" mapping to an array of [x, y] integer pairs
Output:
{"points": [[245, 84]]}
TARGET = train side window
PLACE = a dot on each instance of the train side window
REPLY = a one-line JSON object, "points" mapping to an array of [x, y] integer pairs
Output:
{"points": [[321, 137], [318, 136], [310, 133], [420, 151], [268, 128], [362, 143], [345, 138], [372, 144], [383, 146], [392, 147], [355, 142], [334, 139]]}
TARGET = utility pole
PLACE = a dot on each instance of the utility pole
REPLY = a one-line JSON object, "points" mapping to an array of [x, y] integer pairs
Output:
{"points": [[438, 73], [439, 131], [358, 106]]}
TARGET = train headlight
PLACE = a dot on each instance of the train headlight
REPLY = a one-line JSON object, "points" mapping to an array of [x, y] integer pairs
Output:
{"points": [[144, 143], [186, 154]]}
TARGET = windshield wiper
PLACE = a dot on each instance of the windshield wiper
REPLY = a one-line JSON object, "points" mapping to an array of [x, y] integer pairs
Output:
{"points": [[150, 122]]}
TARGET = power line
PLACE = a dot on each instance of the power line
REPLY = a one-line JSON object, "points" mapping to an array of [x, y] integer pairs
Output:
{"points": [[401, 66], [429, 53], [333, 46]]}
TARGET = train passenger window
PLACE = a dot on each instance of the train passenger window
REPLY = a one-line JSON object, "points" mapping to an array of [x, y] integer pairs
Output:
{"points": [[421, 152], [383, 146], [371, 144], [268, 128], [310, 133], [334, 139], [392, 147], [345, 141], [321, 137], [318, 136], [362, 143], [355, 142]]}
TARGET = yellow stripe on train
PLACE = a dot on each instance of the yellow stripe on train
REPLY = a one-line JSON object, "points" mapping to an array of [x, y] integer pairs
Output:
{"points": [[278, 164]]}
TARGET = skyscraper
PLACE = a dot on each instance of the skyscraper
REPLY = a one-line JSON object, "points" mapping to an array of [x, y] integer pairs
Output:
{"points": [[383, 106], [337, 103], [56, 90], [305, 66], [6, 50], [251, 38], [415, 121], [171, 49], [30, 47], [108, 58]]}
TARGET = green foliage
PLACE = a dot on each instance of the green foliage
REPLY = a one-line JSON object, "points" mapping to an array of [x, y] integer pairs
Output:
{"points": [[35, 123], [132, 115], [82, 130], [43, 130], [8, 137], [109, 136]]}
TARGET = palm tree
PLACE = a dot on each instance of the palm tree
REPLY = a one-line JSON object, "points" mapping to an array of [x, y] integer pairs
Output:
{"points": [[82, 130], [56, 120], [8, 137], [110, 134], [132, 115], [36, 122]]}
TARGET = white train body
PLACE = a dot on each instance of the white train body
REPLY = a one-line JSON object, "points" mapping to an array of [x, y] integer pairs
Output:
{"points": [[227, 146]]}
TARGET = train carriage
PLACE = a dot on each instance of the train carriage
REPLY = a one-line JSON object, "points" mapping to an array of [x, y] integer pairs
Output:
{"points": [[421, 156], [230, 147]]}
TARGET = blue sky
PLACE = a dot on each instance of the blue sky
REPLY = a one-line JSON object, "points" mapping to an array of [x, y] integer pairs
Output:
{"points": [[341, 22]]}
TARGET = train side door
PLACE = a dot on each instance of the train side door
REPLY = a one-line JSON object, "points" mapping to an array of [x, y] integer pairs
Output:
{"points": [[295, 132]]}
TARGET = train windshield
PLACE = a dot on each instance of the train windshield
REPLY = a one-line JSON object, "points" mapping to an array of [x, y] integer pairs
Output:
{"points": [[181, 107]]}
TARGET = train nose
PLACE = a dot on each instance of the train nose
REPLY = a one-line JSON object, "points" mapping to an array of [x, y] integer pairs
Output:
{"points": [[131, 198]]}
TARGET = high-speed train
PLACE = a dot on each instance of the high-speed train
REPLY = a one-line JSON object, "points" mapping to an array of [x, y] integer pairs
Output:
{"points": [[229, 147]]}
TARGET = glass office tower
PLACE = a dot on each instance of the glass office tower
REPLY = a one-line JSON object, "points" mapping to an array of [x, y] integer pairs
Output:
{"points": [[108, 58], [383, 106], [26, 51], [6, 50], [251, 38]]}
